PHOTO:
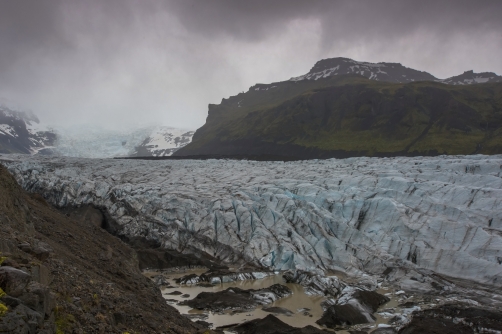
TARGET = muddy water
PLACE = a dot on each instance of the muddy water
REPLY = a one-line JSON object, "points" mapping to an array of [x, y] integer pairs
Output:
{"points": [[296, 303]]}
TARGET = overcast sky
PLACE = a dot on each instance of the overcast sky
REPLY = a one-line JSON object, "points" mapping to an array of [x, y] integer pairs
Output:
{"points": [[127, 62]]}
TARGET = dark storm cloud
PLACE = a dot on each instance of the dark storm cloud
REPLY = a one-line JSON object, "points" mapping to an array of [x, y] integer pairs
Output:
{"points": [[387, 18], [27, 28], [118, 61]]}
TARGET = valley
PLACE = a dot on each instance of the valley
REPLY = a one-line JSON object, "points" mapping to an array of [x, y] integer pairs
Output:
{"points": [[250, 167], [426, 226]]}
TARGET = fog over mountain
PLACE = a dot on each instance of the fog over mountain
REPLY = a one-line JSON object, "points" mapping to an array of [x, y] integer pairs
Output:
{"points": [[117, 63]]}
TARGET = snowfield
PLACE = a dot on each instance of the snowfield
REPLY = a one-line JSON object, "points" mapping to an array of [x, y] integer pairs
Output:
{"points": [[355, 215]]}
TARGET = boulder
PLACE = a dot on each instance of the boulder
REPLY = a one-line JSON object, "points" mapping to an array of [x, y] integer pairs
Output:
{"points": [[21, 320], [237, 299], [315, 284], [39, 298], [342, 315], [354, 307], [13, 281], [278, 310]]}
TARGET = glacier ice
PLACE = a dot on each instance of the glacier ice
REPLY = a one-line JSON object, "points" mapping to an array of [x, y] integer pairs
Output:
{"points": [[91, 141], [353, 215]]}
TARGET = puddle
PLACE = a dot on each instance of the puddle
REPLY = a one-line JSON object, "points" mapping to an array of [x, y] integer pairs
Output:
{"points": [[297, 301]]}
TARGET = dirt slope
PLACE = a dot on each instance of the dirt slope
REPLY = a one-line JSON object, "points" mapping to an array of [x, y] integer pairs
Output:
{"points": [[81, 279]]}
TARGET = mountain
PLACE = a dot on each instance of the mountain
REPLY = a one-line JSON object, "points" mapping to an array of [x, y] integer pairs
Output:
{"points": [[469, 78], [329, 113], [388, 72], [163, 141], [21, 132]]}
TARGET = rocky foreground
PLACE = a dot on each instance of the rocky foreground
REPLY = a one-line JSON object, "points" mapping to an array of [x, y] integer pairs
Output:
{"points": [[61, 275]]}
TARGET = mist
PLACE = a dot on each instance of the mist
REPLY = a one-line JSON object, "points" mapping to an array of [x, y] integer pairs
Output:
{"points": [[129, 63]]}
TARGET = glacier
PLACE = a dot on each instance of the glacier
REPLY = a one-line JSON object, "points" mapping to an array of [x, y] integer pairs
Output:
{"points": [[91, 141], [357, 215]]}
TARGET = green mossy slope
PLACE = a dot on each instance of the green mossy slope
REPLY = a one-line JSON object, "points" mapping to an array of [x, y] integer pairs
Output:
{"points": [[352, 116]]}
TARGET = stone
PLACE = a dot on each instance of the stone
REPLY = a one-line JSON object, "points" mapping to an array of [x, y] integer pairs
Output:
{"points": [[315, 284], [237, 299], [39, 298], [41, 251], [7, 246], [342, 315], [174, 293], [10, 301], [21, 320], [355, 306], [13, 281], [278, 310], [41, 274]]}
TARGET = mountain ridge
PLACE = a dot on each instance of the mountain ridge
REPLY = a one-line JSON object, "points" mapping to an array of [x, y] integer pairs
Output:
{"points": [[22, 132], [345, 115], [388, 72]]}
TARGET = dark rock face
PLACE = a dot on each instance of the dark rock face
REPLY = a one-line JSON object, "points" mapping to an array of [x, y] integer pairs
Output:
{"points": [[454, 319], [237, 299], [356, 308], [370, 299], [342, 315], [13, 281], [229, 299], [150, 254], [272, 325]]}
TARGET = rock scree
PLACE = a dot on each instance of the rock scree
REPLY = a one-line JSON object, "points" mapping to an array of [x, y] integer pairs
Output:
{"points": [[66, 276]]}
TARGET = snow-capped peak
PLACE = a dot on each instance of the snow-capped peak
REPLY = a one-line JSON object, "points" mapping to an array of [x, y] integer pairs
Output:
{"points": [[164, 141], [22, 132], [388, 72], [469, 78], [391, 72]]}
